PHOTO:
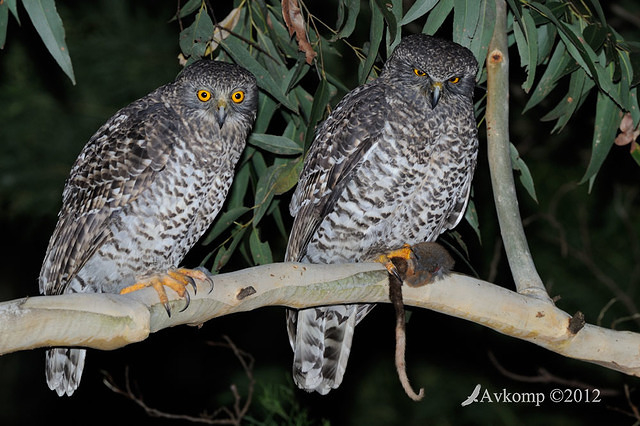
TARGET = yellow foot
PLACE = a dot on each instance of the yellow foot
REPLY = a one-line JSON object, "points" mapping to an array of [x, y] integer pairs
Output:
{"points": [[176, 279], [387, 260], [419, 264]]}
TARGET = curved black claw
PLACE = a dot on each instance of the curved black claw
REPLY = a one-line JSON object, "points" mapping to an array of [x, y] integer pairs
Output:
{"points": [[186, 295], [208, 274], [395, 273], [192, 283], [167, 308]]}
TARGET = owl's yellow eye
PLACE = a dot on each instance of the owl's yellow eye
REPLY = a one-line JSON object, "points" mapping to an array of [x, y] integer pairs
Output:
{"points": [[454, 80], [204, 95], [238, 96], [419, 73]]}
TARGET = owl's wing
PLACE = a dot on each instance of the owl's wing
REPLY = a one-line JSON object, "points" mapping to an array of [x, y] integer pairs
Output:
{"points": [[340, 146], [462, 197], [118, 163]]}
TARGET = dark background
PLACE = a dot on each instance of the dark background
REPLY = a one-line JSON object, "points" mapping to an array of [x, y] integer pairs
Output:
{"points": [[586, 248]]}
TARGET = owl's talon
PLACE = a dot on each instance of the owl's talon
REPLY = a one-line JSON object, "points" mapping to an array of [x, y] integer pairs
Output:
{"points": [[391, 268], [192, 283], [419, 264], [188, 299], [385, 259], [176, 279], [203, 274], [208, 275]]}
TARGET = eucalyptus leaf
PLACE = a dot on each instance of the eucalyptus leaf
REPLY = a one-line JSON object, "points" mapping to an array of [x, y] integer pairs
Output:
{"points": [[624, 85], [260, 251], [465, 20], [47, 22], [599, 11], [296, 73], [195, 38], [394, 39], [526, 179], [224, 222], [417, 10], [484, 32], [239, 53], [579, 85], [13, 7], [4, 21], [471, 216], [288, 175], [240, 186], [353, 10], [546, 40], [635, 154], [188, 8], [264, 192], [275, 211], [437, 16], [595, 35], [375, 37], [320, 101], [389, 17], [275, 144], [224, 254], [607, 121], [531, 34], [555, 70], [280, 34], [266, 109]]}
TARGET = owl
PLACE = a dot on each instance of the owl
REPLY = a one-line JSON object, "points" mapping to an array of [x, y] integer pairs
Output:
{"points": [[391, 165], [144, 189]]}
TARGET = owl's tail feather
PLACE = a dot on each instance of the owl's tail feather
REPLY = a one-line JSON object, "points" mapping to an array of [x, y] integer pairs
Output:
{"points": [[64, 369], [322, 345]]}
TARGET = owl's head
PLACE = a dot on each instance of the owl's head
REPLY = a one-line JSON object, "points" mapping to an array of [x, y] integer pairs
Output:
{"points": [[437, 68], [226, 93]]}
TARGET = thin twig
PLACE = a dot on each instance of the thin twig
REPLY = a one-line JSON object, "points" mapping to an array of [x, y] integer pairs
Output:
{"points": [[235, 417]]}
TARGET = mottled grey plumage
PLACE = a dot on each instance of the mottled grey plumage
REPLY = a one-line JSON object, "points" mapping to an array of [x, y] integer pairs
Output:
{"points": [[145, 187], [392, 164]]}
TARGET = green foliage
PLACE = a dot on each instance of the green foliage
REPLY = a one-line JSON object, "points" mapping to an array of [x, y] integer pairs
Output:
{"points": [[573, 40], [525, 175], [47, 22]]}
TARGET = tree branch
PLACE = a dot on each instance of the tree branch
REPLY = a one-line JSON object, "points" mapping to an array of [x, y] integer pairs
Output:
{"points": [[110, 321], [523, 269]]}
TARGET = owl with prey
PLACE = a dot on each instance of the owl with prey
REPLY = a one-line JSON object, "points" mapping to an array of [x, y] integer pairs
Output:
{"points": [[392, 164], [143, 190]]}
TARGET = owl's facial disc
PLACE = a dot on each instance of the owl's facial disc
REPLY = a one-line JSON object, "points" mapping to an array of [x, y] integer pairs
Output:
{"points": [[226, 104], [432, 88]]}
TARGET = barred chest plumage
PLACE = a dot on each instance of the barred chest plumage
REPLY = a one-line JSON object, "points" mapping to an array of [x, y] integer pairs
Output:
{"points": [[154, 232], [402, 192]]}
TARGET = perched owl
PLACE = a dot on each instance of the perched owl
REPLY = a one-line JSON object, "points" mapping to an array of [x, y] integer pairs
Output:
{"points": [[144, 189], [392, 164]]}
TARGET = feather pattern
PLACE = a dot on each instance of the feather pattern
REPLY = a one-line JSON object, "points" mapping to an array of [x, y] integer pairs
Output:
{"points": [[388, 166], [143, 190]]}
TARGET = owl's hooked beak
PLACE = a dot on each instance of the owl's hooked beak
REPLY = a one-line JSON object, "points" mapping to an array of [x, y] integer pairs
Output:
{"points": [[436, 90], [221, 113]]}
